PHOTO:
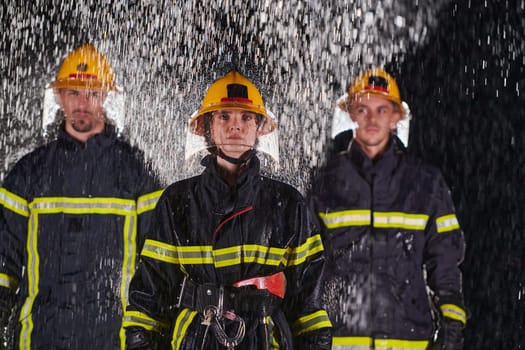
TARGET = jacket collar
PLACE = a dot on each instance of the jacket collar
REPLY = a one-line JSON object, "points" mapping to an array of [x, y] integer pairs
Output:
{"points": [[99, 141], [224, 198], [383, 165]]}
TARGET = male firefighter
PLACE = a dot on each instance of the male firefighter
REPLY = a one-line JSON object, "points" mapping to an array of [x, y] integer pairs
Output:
{"points": [[234, 258], [71, 214], [390, 230]]}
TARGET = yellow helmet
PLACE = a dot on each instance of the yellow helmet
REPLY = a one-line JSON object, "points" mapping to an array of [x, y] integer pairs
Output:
{"points": [[375, 82], [85, 68], [232, 92]]}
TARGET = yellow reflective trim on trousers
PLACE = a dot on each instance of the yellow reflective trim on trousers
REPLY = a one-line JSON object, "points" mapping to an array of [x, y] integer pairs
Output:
{"points": [[311, 322], [366, 343], [129, 239], [81, 205], [298, 255], [13, 202], [182, 323], [7, 281], [148, 201], [139, 319], [33, 277], [447, 223], [346, 218], [454, 312]]}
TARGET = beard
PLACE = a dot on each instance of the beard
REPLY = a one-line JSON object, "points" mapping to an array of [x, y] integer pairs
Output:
{"points": [[81, 125]]}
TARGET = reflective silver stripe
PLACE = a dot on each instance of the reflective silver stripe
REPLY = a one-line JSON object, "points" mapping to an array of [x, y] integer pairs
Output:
{"points": [[128, 265], [454, 312], [182, 323], [137, 318], [13, 202], [350, 218], [311, 322], [346, 218], [298, 255], [447, 223], [400, 220], [367, 343], [74, 205], [84, 205], [33, 265], [7, 281], [148, 201]]}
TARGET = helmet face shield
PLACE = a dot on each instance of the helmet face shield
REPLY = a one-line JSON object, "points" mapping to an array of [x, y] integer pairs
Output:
{"points": [[114, 107], [197, 143], [341, 120]]}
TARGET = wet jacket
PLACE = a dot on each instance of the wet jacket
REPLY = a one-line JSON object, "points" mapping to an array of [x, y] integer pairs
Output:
{"points": [[69, 225], [216, 236], [385, 224]]}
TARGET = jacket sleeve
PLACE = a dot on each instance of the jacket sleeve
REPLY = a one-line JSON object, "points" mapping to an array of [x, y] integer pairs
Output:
{"points": [[310, 325], [444, 252], [14, 218], [154, 288]]}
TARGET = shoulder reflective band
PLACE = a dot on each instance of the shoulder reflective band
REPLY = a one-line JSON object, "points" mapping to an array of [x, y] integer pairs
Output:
{"points": [[447, 223], [275, 284]]}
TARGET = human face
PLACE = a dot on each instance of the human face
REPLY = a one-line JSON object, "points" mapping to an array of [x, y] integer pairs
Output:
{"points": [[375, 117], [234, 132], [83, 111]]}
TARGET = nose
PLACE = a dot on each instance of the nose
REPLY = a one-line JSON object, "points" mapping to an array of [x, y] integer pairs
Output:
{"points": [[235, 124]]}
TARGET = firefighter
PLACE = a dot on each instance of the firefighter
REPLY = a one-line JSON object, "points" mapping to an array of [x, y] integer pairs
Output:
{"points": [[390, 231], [72, 214], [234, 258]]}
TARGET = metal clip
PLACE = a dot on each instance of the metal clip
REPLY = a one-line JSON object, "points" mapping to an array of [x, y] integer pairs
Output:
{"points": [[181, 294]]}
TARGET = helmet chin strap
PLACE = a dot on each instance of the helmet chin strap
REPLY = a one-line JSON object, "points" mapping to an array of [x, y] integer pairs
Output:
{"points": [[246, 156]]}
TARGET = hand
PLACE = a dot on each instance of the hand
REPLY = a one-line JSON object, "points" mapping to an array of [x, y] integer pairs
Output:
{"points": [[138, 339], [450, 336]]}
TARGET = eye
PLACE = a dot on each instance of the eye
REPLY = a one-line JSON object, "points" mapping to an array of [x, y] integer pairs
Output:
{"points": [[95, 94], [223, 116], [72, 92], [248, 117]]}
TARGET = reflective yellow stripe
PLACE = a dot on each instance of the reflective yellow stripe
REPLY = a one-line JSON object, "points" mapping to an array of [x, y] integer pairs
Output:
{"points": [[129, 241], [182, 323], [350, 218], [447, 223], [454, 312], [248, 253], [33, 268], [346, 218], [75, 205], [139, 319], [177, 254], [400, 220], [81, 205], [148, 201], [365, 343], [8, 281], [311, 322], [13, 202], [396, 344], [351, 343], [298, 255]]}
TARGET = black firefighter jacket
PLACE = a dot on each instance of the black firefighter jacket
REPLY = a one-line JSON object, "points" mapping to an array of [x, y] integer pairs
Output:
{"points": [[211, 234], [69, 214], [385, 224]]}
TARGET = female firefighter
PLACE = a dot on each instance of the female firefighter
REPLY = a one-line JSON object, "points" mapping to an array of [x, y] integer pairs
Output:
{"points": [[234, 259]]}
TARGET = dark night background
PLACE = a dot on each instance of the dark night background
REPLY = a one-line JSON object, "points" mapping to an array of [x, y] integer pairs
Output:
{"points": [[470, 121], [466, 90]]}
